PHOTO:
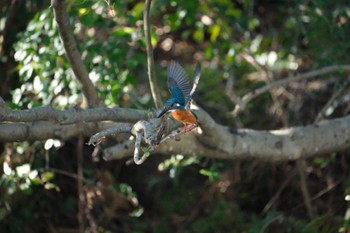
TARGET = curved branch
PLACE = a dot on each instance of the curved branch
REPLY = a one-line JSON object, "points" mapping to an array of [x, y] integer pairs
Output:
{"points": [[277, 145], [98, 137], [147, 131], [137, 150], [242, 102], [212, 140], [218, 141], [70, 116], [150, 60], [72, 52], [43, 130]]}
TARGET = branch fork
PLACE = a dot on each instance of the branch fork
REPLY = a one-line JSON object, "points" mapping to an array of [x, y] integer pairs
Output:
{"points": [[152, 132]]}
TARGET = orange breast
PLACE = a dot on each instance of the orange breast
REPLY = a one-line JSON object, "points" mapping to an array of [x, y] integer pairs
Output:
{"points": [[184, 116]]}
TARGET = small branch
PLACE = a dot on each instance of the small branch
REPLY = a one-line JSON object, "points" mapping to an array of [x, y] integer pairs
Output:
{"points": [[278, 193], [330, 102], [231, 94], [70, 46], [61, 172], [150, 60], [304, 188], [251, 95], [80, 184], [141, 130], [98, 137]]}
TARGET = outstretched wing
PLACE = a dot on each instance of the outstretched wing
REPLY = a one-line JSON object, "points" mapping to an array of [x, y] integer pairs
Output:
{"points": [[197, 75], [178, 83]]}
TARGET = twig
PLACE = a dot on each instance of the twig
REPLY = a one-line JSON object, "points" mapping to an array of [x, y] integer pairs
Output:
{"points": [[80, 185], [304, 188], [251, 95], [176, 133], [300, 164], [61, 172], [278, 193], [335, 96], [150, 59], [320, 193], [72, 52], [230, 91]]}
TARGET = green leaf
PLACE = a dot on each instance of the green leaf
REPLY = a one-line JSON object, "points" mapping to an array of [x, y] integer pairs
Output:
{"points": [[215, 32], [47, 176], [198, 35]]}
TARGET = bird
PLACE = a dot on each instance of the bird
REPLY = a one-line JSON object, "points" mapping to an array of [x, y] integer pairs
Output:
{"points": [[181, 95]]}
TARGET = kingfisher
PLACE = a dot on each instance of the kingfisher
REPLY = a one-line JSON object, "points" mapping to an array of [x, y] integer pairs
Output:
{"points": [[181, 95]]}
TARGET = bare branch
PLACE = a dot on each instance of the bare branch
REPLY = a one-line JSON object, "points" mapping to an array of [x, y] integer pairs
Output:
{"points": [[218, 141], [70, 46], [137, 150], [251, 95], [213, 140], [150, 60], [119, 151], [147, 131], [70, 116], [330, 102], [98, 137], [43, 130], [304, 188]]}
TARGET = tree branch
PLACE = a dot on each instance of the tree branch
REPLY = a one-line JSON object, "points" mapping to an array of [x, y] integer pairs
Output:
{"points": [[242, 102], [70, 116], [70, 46], [293, 143], [98, 137], [212, 140], [43, 130], [218, 141], [150, 60]]}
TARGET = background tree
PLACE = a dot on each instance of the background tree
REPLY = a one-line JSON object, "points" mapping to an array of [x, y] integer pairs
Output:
{"points": [[266, 66]]}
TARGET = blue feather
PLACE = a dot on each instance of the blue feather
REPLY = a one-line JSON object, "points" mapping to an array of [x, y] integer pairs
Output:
{"points": [[197, 75], [178, 83], [179, 87]]}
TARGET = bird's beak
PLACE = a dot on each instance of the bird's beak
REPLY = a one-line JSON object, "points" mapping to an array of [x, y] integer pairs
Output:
{"points": [[165, 110]]}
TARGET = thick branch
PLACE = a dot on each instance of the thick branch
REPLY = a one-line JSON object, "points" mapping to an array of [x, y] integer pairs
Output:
{"points": [[43, 130], [150, 60], [284, 144], [217, 141], [70, 116], [212, 140], [70, 46]]}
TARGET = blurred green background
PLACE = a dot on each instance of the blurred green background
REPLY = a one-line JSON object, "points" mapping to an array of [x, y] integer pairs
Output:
{"points": [[246, 43]]}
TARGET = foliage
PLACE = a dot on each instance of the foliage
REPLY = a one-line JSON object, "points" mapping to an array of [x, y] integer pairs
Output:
{"points": [[241, 39], [45, 72]]}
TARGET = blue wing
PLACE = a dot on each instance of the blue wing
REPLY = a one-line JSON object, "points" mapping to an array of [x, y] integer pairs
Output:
{"points": [[178, 83], [197, 75]]}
